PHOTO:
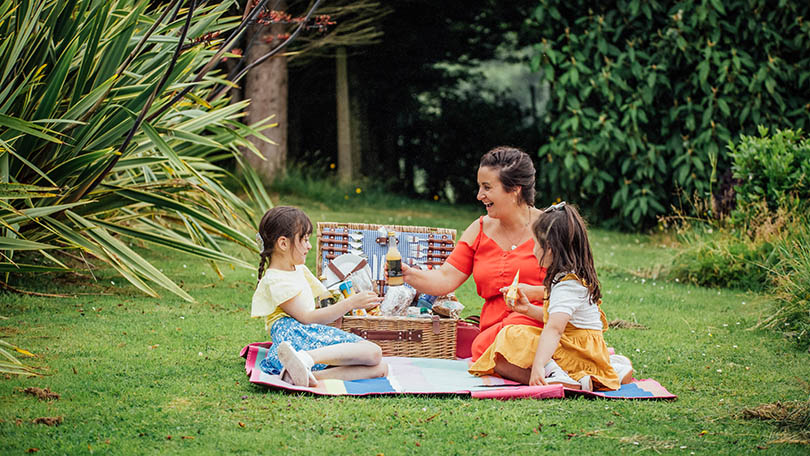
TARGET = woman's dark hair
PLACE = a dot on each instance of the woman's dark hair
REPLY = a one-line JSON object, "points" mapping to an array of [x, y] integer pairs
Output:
{"points": [[561, 229], [279, 221], [515, 169]]}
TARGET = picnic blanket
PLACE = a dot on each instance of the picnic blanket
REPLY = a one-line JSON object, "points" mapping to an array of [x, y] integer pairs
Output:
{"points": [[440, 376]]}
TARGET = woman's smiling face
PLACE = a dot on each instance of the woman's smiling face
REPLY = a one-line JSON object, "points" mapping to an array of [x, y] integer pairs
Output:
{"points": [[496, 200]]}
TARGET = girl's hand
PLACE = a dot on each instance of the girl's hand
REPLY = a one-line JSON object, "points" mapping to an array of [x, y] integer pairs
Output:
{"points": [[521, 304], [538, 375], [364, 300]]}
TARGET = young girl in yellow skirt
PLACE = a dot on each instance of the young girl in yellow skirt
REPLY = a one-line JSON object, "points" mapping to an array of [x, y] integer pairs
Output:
{"points": [[569, 349]]}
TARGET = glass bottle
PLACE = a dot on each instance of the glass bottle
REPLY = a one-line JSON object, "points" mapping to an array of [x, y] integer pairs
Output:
{"points": [[394, 260]]}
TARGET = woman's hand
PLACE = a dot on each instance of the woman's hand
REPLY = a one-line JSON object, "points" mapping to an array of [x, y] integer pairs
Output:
{"points": [[437, 281], [363, 300]]}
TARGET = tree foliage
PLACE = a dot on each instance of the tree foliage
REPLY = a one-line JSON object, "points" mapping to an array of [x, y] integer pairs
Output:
{"points": [[647, 94], [95, 150]]}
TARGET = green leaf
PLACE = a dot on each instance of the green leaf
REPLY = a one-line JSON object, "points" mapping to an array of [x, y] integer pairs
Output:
{"points": [[30, 128], [7, 243], [718, 5], [129, 258], [16, 268], [721, 103], [583, 162]]}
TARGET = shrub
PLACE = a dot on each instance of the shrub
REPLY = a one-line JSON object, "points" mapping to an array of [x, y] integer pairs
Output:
{"points": [[790, 313], [725, 260], [774, 169]]}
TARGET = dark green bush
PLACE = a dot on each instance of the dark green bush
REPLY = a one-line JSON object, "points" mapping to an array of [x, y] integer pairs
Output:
{"points": [[647, 94]]}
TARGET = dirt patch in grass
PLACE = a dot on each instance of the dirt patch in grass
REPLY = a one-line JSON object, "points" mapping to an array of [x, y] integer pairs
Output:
{"points": [[41, 394], [48, 420], [624, 324]]}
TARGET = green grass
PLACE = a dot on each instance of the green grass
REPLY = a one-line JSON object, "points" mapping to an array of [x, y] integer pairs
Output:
{"points": [[134, 371]]}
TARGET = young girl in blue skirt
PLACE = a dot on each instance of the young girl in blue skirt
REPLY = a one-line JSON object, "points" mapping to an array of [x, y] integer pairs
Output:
{"points": [[304, 348]]}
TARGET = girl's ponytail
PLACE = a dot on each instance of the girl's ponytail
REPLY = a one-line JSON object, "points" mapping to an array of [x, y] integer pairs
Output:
{"points": [[262, 265]]}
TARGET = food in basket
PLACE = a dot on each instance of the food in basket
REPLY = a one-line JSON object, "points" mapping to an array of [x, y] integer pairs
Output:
{"points": [[447, 306], [397, 300]]}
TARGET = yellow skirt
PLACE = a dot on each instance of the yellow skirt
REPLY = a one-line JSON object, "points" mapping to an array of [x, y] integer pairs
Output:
{"points": [[580, 352]]}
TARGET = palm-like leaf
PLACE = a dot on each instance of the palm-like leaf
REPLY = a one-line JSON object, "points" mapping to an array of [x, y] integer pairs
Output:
{"points": [[9, 364], [74, 77]]}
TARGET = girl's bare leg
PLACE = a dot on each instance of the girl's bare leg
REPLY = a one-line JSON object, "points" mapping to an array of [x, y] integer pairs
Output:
{"points": [[353, 372], [348, 354], [352, 361]]}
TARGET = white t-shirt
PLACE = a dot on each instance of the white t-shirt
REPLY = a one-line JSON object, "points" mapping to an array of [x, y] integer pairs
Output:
{"points": [[573, 298]]}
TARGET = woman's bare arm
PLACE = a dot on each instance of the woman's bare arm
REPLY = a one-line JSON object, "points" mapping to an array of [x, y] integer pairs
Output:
{"points": [[446, 278]]}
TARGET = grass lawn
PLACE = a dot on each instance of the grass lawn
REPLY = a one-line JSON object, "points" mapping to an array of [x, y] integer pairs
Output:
{"points": [[140, 375]]}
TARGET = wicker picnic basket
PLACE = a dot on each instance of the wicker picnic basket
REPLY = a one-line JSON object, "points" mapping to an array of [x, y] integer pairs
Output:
{"points": [[412, 337], [422, 337]]}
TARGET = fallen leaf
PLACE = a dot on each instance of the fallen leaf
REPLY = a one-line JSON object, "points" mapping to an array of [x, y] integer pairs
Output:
{"points": [[24, 352], [33, 450], [188, 437], [241, 424]]}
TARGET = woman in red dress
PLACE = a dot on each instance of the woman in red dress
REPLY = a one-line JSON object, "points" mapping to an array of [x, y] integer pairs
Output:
{"points": [[494, 247]]}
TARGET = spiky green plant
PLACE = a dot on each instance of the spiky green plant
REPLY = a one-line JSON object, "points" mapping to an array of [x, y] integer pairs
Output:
{"points": [[10, 365], [96, 153]]}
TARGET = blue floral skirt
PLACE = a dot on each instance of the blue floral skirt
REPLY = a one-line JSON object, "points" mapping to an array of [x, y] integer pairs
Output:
{"points": [[302, 337]]}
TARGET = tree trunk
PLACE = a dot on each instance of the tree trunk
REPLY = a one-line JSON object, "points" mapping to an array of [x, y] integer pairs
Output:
{"points": [[266, 87], [366, 164], [346, 162]]}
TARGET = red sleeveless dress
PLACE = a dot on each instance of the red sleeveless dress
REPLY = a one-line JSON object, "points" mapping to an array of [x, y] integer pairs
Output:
{"points": [[493, 268]]}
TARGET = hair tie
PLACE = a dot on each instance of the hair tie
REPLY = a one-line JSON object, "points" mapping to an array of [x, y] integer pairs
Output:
{"points": [[260, 242]]}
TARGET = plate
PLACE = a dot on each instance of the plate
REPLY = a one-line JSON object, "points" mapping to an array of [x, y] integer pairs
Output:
{"points": [[361, 279]]}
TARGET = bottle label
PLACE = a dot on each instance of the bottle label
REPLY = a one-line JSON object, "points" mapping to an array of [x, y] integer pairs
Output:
{"points": [[394, 268]]}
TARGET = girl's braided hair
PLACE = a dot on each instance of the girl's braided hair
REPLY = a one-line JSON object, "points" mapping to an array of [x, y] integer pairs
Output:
{"points": [[515, 169], [561, 229], [286, 221]]}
